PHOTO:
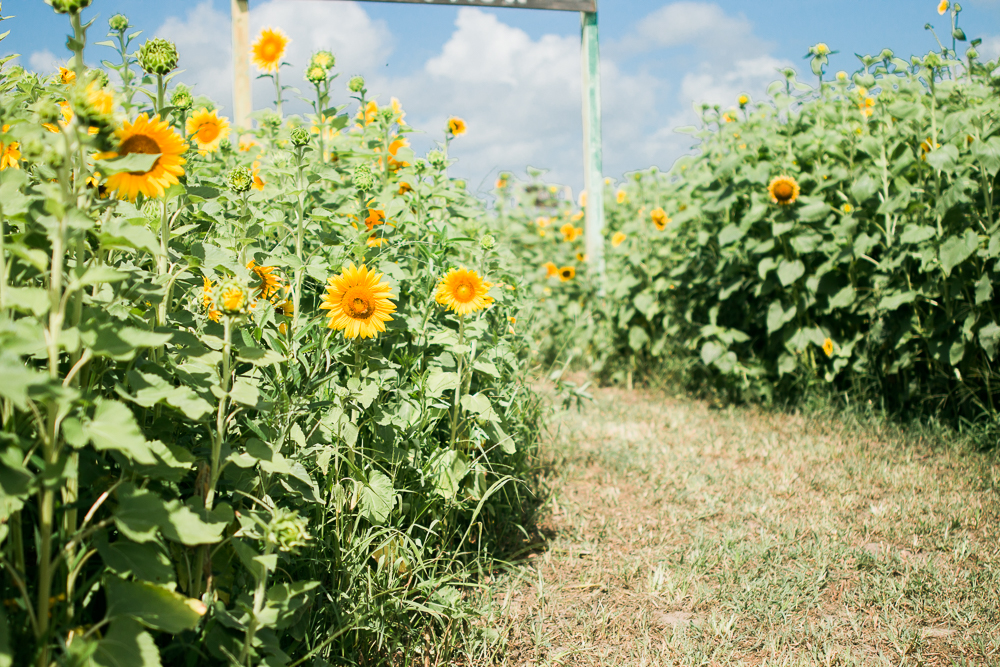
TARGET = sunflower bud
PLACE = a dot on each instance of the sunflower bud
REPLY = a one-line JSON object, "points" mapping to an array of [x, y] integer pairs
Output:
{"points": [[152, 210], [356, 84], [386, 114], [240, 179], [886, 54], [231, 297], [322, 59], [68, 6], [971, 53], [271, 120], [436, 158], [182, 99], [364, 179], [287, 530], [158, 56], [300, 137], [315, 74], [118, 23], [488, 242]]}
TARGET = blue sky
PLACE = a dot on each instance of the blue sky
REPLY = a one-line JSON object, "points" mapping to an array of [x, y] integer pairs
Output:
{"points": [[514, 73]]}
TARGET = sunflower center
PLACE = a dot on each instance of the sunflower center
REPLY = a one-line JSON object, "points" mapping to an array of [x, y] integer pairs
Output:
{"points": [[269, 50], [357, 305], [140, 143], [464, 292], [207, 133], [783, 191]]}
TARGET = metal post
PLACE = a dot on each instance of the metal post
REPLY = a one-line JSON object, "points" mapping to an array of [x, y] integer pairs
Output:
{"points": [[592, 159], [242, 102]]}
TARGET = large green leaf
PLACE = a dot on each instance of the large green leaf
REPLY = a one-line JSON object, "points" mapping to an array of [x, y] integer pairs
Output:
{"points": [[153, 606], [125, 644], [377, 498], [114, 428], [143, 561], [141, 512], [988, 154], [790, 271], [956, 249]]}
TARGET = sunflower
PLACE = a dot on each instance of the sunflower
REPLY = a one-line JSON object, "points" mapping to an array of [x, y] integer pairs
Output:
{"points": [[581, 257], [463, 291], [100, 100], [66, 76], [828, 347], [397, 110], [783, 190], [375, 217], [358, 303], [9, 153], [620, 196], [618, 239], [375, 241], [582, 199], [258, 182], [67, 114], [369, 112], [207, 130], [567, 273], [846, 208], [550, 269], [659, 218], [148, 137], [866, 106], [743, 100], [943, 6], [268, 49], [207, 298], [542, 221], [570, 232], [246, 143], [269, 282], [456, 126], [405, 187]]}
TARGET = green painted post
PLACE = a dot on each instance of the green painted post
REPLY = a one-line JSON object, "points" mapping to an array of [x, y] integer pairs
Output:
{"points": [[592, 157]]}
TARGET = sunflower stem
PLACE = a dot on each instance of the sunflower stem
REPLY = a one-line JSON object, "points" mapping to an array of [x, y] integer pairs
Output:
{"points": [[161, 91], [457, 407], [277, 89], [300, 231], [79, 39]]}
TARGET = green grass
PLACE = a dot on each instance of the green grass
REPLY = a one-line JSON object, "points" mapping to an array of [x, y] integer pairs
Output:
{"points": [[675, 534]]}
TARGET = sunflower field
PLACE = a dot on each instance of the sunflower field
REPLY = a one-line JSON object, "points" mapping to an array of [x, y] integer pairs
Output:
{"points": [[263, 400], [842, 236]]}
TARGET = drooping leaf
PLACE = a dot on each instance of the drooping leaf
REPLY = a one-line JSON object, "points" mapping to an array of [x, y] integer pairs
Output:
{"points": [[153, 606], [114, 428], [377, 498]]}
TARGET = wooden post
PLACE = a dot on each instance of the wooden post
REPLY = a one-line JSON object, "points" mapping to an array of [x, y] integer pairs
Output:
{"points": [[592, 157], [242, 101]]}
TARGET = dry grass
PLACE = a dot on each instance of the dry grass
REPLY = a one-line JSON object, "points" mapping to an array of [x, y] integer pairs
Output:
{"points": [[680, 535]]}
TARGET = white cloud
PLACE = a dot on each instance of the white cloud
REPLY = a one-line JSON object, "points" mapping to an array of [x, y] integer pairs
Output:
{"points": [[990, 48], [520, 96], [44, 62]]}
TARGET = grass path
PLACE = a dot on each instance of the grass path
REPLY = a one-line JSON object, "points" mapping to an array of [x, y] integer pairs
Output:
{"points": [[681, 535]]}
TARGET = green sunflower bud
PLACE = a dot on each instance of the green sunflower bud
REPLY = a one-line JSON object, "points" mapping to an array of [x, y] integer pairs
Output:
{"points": [[68, 6], [322, 59], [118, 23], [363, 177], [971, 53], [386, 114], [315, 74], [356, 84], [287, 530], [152, 210], [271, 120], [182, 99], [300, 137], [436, 158], [158, 56], [488, 242], [240, 179]]}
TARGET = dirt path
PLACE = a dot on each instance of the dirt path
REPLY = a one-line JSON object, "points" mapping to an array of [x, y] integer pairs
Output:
{"points": [[680, 535]]}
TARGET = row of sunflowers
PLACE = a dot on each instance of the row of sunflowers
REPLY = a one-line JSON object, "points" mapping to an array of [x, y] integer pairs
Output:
{"points": [[263, 397], [841, 237]]}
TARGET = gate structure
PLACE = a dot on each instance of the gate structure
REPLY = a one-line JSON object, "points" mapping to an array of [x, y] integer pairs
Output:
{"points": [[590, 60]]}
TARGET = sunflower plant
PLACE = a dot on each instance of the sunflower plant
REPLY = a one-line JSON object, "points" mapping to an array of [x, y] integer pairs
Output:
{"points": [[228, 407]]}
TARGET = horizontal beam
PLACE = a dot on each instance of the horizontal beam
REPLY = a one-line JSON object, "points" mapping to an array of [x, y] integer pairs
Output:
{"points": [[563, 5]]}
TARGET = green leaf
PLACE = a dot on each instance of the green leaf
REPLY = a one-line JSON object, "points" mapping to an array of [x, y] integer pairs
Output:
{"points": [[143, 561], [141, 512], [447, 468], [34, 300], [943, 158], [790, 271], [863, 187], [125, 644], [917, 233], [843, 298], [711, 351], [777, 316], [894, 301], [487, 368], [246, 394], [984, 290], [99, 274], [956, 352], [258, 357], [153, 606], [989, 337], [988, 155], [114, 428], [377, 498], [956, 249], [133, 162], [479, 404], [731, 234], [440, 381], [637, 338]]}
